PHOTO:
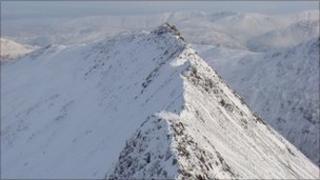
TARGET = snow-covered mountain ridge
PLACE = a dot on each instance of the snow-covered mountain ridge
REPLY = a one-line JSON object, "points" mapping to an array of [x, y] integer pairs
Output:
{"points": [[281, 85], [138, 105]]}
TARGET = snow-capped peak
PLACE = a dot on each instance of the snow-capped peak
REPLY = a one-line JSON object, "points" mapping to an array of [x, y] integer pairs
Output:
{"points": [[167, 28], [137, 106], [206, 134]]}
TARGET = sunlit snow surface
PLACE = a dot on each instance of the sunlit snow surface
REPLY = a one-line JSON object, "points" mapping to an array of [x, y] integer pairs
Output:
{"points": [[11, 50], [281, 85], [86, 111]]}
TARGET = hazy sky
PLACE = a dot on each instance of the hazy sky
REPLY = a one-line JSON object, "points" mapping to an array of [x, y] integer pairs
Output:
{"points": [[20, 9]]}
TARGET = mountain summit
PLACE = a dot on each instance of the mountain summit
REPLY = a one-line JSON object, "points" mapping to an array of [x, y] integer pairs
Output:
{"points": [[141, 105]]}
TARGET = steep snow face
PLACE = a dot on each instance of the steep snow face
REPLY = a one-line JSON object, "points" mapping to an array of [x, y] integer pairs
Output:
{"points": [[66, 108], [282, 86], [214, 135], [11, 50], [138, 105]]}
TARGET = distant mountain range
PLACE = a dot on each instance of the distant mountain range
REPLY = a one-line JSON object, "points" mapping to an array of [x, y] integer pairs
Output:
{"points": [[228, 29]]}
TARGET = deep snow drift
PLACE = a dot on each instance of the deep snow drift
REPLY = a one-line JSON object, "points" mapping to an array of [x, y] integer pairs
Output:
{"points": [[138, 105]]}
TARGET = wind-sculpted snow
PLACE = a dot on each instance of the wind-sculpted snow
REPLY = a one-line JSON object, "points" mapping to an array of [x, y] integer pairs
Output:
{"points": [[294, 94], [141, 105], [282, 86]]}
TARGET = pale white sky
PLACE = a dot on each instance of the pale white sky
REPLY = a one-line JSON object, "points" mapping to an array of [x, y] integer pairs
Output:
{"points": [[20, 9]]}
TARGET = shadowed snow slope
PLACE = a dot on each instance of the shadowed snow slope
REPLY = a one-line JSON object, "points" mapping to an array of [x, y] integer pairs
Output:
{"points": [[138, 105]]}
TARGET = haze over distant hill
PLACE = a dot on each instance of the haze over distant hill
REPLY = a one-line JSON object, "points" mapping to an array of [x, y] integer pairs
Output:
{"points": [[197, 27]]}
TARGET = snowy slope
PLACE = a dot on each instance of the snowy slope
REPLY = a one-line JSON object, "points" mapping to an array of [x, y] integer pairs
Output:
{"points": [[11, 50], [282, 86], [138, 105]]}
